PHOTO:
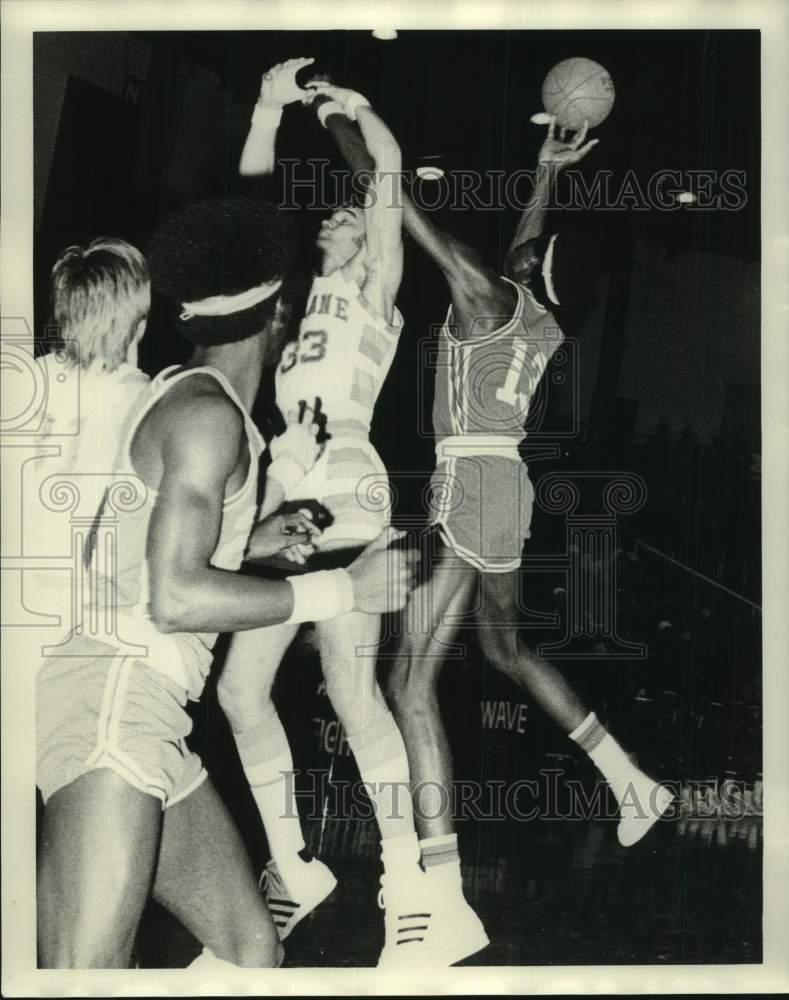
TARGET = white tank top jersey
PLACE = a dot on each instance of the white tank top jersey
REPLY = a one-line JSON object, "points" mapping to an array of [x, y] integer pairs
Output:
{"points": [[182, 656], [484, 384], [85, 414], [342, 355], [85, 409]]}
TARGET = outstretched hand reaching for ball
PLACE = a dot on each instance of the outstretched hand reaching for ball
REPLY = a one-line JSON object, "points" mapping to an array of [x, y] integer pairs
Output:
{"points": [[558, 153]]}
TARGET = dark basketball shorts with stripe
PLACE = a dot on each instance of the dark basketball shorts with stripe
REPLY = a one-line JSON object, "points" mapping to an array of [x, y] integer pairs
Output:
{"points": [[482, 507]]}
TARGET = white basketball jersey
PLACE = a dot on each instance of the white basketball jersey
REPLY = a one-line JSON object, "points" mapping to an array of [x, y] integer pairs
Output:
{"points": [[342, 355]]}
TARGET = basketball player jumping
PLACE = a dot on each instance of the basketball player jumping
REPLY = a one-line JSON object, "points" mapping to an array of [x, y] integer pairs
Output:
{"points": [[497, 339], [345, 347], [128, 811]]}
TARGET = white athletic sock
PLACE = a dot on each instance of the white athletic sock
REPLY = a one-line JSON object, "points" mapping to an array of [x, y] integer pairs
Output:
{"points": [[617, 768], [268, 766], [440, 858], [383, 766], [401, 854]]}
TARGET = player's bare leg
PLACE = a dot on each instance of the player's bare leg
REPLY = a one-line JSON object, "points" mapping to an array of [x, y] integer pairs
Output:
{"points": [[503, 648], [205, 878], [294, 882], [95, 869], [642, 801], [430, 625]]}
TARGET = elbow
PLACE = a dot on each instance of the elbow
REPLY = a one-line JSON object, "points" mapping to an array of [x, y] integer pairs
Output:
{"points": [[166, 619], [168, 610]]}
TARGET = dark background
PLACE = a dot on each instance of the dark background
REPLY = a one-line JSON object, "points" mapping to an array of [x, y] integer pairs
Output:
{"points": [[660, 379], [130, 125]]}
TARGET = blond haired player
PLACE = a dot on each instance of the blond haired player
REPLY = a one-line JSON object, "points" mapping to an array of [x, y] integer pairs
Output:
{"points": [[100, 298]]}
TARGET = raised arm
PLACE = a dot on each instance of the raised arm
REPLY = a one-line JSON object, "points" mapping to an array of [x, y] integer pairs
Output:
{"points": [[383, 215], [461, 264], [383, 202], [553, 156], [278, 87]]}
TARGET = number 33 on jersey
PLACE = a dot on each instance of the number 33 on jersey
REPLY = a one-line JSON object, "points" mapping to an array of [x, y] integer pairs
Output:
{"points": [[343, 353]]}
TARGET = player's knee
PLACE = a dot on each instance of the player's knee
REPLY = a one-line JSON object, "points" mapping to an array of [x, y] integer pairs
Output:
{"points": [[268, 956], [499, 647], [228, 693], [396, 694], [352, 700], [261, 950], [240, 700], [409, 690], [398, 688]]}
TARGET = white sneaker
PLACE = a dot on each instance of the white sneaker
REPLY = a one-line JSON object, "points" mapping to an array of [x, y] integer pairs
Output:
{"points": [[425, 927], [459, 933], [307, 887], [647, 801]]}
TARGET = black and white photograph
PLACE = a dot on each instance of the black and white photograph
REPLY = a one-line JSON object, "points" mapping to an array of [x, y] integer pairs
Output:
{"points": [[394, 474]]}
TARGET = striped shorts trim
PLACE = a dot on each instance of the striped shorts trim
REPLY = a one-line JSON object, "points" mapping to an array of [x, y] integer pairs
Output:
{"points": [[102, 710], [351, 482], [482, 508]]}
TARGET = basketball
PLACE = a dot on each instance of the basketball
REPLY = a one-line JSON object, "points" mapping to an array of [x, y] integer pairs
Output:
{"points": [[576, 89]]}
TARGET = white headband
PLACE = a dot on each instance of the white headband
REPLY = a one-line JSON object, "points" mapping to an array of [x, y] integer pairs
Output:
{"points": [[225, 305], [547, 265]]}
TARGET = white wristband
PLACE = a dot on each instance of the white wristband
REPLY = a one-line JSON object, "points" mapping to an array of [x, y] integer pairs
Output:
{"points": [[266, 115], [287, 472], [353, 102], [329, 108], [321, 595]]}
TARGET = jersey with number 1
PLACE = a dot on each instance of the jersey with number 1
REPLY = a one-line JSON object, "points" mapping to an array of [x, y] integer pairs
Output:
{"points": [[484, 383], [482, 498], [343, 354]]}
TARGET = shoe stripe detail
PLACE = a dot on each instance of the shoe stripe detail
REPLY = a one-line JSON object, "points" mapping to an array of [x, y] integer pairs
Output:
{"points": [[418, 927], [414, 916], [280, 913], [409, 940], [283, 902]]}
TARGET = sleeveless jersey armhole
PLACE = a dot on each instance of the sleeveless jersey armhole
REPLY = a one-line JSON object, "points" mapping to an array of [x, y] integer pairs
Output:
{"points": [[163, 381]]}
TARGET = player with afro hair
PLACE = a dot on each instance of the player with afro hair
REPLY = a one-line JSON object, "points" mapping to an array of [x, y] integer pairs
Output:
{"points": [[123, 791], [222, 249]]}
